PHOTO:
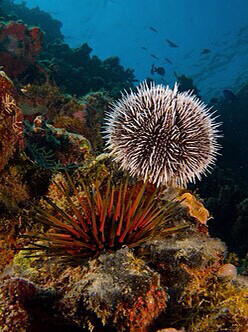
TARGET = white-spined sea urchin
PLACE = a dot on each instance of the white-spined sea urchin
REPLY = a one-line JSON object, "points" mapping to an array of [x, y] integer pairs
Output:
{"points": [[162, 135]]}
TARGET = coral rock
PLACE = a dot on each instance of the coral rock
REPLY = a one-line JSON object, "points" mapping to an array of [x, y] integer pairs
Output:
{"points": [[195, 207], [121, 291], [228, 270], [11, 129], [54, 148], [14, 294], [20, 47]]}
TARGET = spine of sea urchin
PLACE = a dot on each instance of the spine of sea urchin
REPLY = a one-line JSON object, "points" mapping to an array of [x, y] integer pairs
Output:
{"points": [[162, 135]]}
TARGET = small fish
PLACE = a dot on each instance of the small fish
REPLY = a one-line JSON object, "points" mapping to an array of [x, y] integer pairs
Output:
{"points": [[153, 29], [144, 48], [152, 69], [158, 70], [229, 95], [154, 56], [171, 44], [205, 51], [168, 60]]}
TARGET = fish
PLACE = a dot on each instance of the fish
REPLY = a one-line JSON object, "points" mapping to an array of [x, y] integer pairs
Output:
{"points": [[158, 70], [171, 43], [144, 48], [168, 60], [229, 95], [205, 51], [154, 56], [153, 29]]}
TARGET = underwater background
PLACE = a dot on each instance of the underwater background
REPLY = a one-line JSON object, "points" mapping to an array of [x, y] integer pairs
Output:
{"points": [[170, 254], [122, 28]]}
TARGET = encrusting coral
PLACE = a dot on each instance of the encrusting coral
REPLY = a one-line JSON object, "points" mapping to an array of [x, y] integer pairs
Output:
{"points": [[196, 208]]}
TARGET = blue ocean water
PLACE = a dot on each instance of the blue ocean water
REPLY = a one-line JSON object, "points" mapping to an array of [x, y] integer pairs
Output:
{"points": [[124, 28]]}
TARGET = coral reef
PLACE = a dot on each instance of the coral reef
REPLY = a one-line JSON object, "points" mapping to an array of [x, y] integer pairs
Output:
{"points": [[14, 295], [20, 47], [225, 199], [97, 250], [11, 129], [13, 190], [172, 279], [119, 288], [73, 70], [33, 17], [47, 100], [146, 288], [77, 115], [227, 309], [107, 252], [78, 73], [186, 84], [54, 148], [192, 270], [96, 107]]}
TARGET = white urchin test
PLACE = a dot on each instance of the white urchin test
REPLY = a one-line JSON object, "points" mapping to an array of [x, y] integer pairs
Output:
{"points": [[162, 135]]}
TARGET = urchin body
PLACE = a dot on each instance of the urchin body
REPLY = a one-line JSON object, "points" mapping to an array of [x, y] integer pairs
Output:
{"points": [[162, 135]]}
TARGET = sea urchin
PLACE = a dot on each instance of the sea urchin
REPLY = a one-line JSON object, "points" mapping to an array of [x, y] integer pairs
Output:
{"points": [[162, 135], [103, 217]]}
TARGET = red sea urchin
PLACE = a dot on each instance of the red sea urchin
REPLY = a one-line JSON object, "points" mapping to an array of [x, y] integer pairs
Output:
{"points": [[162, 135], [103, 217]]}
